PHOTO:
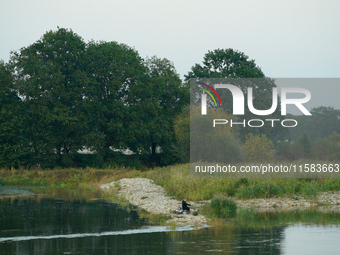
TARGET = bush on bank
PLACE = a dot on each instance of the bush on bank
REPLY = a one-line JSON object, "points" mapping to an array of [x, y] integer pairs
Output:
{"points": [[221, 208]]}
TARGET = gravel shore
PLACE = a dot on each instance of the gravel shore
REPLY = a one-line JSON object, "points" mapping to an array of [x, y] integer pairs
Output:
{"points": [[146, 195], [326, 202]]}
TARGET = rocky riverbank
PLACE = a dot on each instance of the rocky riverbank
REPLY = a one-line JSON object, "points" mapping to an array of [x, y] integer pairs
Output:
{"points": [[325, 201], [152, 198], [145, 194]]}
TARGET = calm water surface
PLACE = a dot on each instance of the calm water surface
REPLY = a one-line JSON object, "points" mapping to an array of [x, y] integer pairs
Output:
{"points": [[72, 222]]}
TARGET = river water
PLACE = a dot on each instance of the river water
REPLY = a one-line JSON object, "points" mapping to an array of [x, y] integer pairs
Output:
{"points": [[79, 222]]}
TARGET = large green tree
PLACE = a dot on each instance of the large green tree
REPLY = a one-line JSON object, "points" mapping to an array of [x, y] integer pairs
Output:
{"points": [[52, 83], [136, 99], [101, 96], [167, 98], [118, 85], [13, 142]]}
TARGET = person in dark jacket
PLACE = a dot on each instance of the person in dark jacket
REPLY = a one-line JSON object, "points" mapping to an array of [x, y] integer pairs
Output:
{"points": [[185, 205]]}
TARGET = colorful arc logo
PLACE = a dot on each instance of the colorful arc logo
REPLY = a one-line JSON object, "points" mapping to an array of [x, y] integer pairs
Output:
{"points": [[213, 90]]}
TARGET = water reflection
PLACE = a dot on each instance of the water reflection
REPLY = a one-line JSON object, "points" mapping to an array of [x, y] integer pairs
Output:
{"points": [[231, 241], [59, 217], [64, 222]]}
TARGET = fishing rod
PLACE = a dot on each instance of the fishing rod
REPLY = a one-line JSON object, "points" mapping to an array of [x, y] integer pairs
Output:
{"points": [[202, 196]]}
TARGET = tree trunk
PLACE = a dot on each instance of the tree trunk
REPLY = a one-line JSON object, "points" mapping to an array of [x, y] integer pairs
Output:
{"points": [[153, 149]]}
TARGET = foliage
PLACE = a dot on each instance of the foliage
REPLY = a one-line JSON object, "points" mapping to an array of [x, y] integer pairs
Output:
{"points": [[259, 190], [305, 142], [50, 79], [225, 63], [116, 94], [70, 95], [60, 95], [284, 151], [167, 98], [327, 148], [221, 208], [182, 132], [333, 142], [228, 63], [323, 122], [175, 180], [13, 142], [212, 144], [258, 148], [71, 177]]}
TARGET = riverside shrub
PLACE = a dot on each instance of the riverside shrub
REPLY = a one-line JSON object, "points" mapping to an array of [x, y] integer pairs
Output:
{"points": [[222, 208]]}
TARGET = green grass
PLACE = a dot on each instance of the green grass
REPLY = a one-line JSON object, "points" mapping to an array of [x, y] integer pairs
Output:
{"points": [[175, 180], [70, 177]]}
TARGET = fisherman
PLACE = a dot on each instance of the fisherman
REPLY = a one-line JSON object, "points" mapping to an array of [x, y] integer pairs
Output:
{"points": [[185, 205]]}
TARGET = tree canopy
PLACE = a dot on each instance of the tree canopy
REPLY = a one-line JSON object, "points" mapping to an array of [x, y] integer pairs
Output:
{"points": [[61, 95], [13, 142], [324, 122], [99, 95], [225, 63], [51, 80], [221, 64]]}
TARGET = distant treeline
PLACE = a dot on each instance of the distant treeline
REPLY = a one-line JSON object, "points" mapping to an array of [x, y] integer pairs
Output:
{"points": [[315, 137]]}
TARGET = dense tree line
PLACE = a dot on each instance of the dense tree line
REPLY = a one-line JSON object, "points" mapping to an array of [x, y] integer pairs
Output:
{"points": [[324, 122], [60, 95]]}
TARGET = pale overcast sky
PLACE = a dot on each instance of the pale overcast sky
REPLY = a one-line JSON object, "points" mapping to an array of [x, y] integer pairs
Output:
{"points": [[287, 38], [298, 38]]}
